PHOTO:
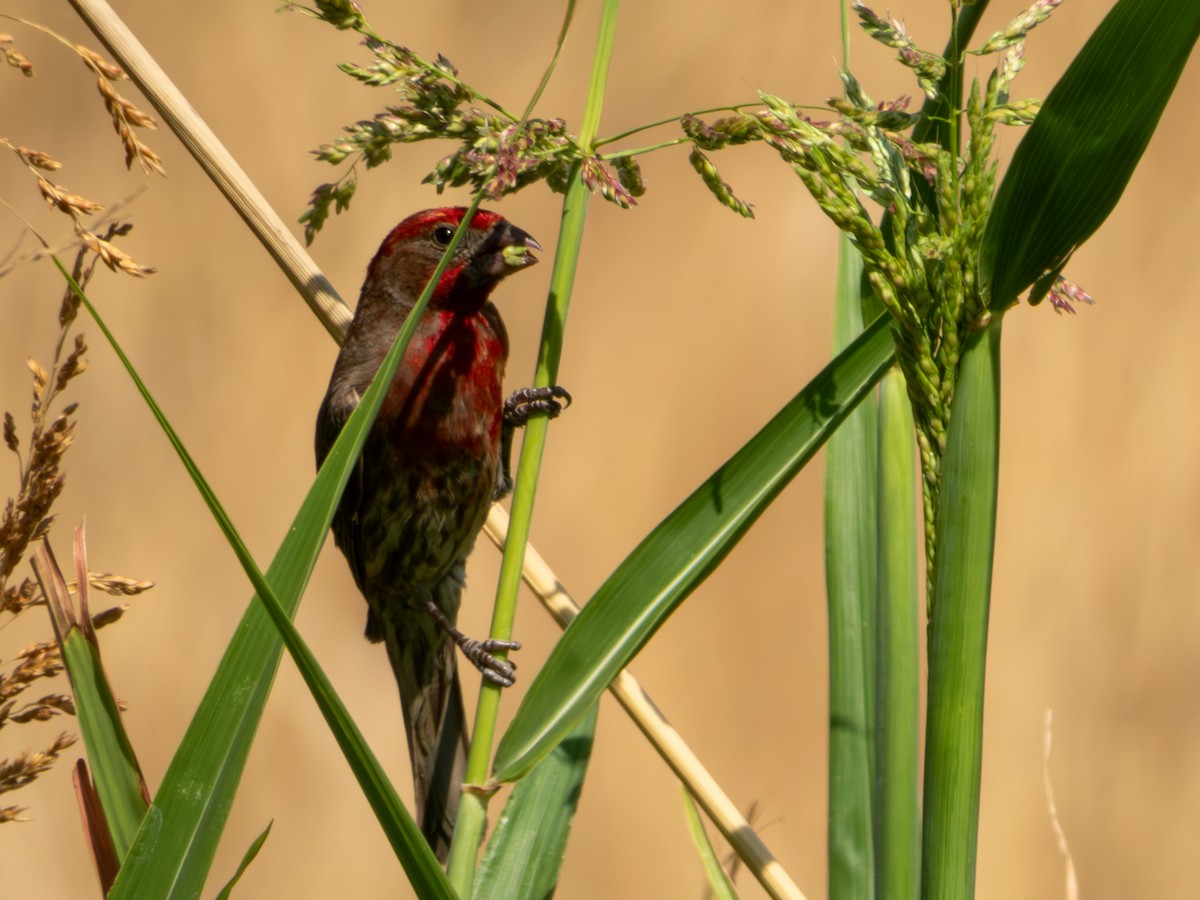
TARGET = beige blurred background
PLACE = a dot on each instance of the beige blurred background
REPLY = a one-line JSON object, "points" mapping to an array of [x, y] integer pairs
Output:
{"points": [[689, 328]]}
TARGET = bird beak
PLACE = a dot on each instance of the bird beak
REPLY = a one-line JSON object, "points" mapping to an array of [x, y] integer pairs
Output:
{"points": [[511, 248]]}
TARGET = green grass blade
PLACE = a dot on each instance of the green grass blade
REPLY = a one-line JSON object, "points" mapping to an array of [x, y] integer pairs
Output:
{"points": [[175, 845], [681, 552], [1074, 163], [898, 815], [110, 754], [114, 766], [468, 830], [526, 851], [247, 858], [568, 15], [718, 882], [850, 575], [958, 622], [472, 811]]}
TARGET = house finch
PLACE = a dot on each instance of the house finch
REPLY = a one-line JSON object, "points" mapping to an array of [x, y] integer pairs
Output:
{"points": [[434, 460]]}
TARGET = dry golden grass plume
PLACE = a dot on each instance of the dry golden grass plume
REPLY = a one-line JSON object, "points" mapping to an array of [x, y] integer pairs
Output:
{"points": [[126, 118], [26, 519]]}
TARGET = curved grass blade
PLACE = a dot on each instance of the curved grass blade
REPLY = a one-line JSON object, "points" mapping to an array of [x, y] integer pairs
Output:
{"points": [[526, 851], [958, 622], [468, 830], [1071, 168], [897, 610], [116, 776], [568, 15], [681, 551], [247, 858], [175, 845], [850, 578], [718, 881]]}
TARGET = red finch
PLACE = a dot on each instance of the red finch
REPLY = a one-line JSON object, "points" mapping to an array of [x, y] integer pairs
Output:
{"points": [[435, 459]]}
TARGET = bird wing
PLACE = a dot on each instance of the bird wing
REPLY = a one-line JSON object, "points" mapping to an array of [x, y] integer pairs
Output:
{"points": [[332, 417]]}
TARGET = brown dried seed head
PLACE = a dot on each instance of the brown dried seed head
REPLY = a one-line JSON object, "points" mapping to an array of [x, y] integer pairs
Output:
{"points": [[10, 433], [112, 256], [19, 60], [109, 616], [150, 161], [135, 116], [43, 709], [39, 159], [111, 98], [118, 585], [57, 196], [22, 769], [39, 374], [72, 366], [99, 64]]}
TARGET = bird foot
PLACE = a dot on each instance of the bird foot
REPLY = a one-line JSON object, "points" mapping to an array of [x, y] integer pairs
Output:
{"points": [[497, 671], [526, 403], [481, 653], [519, 408]]}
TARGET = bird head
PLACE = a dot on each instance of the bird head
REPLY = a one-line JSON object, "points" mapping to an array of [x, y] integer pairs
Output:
{"points": [[491, 248]]}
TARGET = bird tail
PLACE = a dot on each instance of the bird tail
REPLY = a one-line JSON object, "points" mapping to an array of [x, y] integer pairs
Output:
{"points": [[423, 660]]}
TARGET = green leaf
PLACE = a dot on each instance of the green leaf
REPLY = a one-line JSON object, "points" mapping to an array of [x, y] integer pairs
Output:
{"points": [[850, 578], [175, 845], [958, 622], [114, 766], [526, 851], [472, 811], [1074, 163], [718, 882], [115, 772], [898, 814], [681, 551], [247, 858]]}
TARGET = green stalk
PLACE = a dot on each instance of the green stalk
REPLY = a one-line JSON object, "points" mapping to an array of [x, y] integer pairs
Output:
{"points": [[850, 574], [958, 623], [897, 814], [472, 812]]}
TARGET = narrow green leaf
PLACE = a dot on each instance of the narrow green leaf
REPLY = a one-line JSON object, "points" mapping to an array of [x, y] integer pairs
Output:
{"points": [[898, 814], [1074, 163], [526, 851], [175, 845], [681, 551], [114, 766], [472, 811], [115, 771], [718, 881], [568, 15], [850, 576], [958, 622], [247, 858]]}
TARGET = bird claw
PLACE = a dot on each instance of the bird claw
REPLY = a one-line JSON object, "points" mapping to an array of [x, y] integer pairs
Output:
{"points": [[497, 671], [480, 653], [526, 403], [519, 408]]}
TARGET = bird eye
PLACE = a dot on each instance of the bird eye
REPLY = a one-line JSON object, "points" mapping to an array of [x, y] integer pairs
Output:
{"points": [[442, 235]]}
